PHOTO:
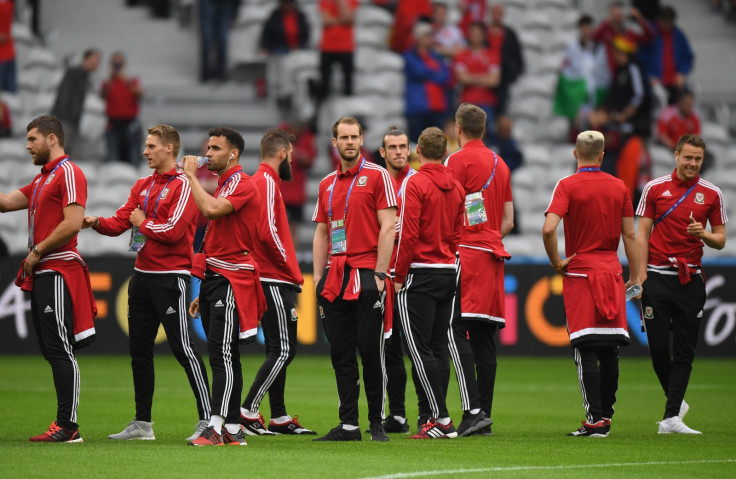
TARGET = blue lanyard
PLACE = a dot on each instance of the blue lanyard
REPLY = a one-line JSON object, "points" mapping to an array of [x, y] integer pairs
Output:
{"points": [[155, 206], [589, 168], [347, 198], [217, 195], [672, 208], [492, 172], [226, 182], [408, 174], [34, 198]]}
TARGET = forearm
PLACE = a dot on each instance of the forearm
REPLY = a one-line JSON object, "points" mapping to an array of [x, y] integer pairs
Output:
{"points": [[61, 235], [632, 254], [714, 240], [550, 246], [642, 247], [205, 202], [385, 247], [320, 251]]}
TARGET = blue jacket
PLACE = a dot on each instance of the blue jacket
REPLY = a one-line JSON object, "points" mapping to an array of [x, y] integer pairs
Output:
{"points": [[417, 74], [651, 55]]}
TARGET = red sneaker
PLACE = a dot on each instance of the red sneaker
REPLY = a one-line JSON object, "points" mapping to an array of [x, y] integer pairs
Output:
{"points": [[57, 433], [434, 430], [209, 437]]}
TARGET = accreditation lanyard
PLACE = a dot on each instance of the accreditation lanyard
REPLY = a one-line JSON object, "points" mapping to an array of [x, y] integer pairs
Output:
{"points": [[475, 208], [338, 235], [589, 168], [217, 195], [672, 208], [138, 239], [36, 198], [155, 206], [408, 174]]}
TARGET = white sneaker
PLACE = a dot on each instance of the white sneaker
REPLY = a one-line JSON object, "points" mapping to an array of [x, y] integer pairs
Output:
{"points": [[684, 408], [198, 430], [675, 425], [140, 430]]}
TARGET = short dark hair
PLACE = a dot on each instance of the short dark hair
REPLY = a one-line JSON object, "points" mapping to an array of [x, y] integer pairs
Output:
{"points": [[348, 120], [234, 138], [274, 140], [689, 139], [667, 13], [168, 135], [585, 19], [393, 131], [46, 125], [471, 119], [89, 52], [432, 143]]}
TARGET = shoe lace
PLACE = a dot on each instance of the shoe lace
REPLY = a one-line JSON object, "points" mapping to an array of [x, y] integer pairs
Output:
{"points": [[295, 420], [53, 429], [428, 425]]}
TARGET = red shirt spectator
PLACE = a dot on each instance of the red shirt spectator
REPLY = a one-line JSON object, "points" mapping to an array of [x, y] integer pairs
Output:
{"points": [[406, 15], [337, 37], [677, 120], [615, 26]]}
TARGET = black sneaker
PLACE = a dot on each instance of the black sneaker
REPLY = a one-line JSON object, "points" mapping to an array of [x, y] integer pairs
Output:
{"points": [[391, 425], [472, 423], [290, 427], [421, 421], [255, 427], [486, 431], [598, 429], [237, 439], [341, 434], [377, 432]]}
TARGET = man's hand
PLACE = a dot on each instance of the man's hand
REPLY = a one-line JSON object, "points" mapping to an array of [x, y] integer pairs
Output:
{"points": [[380, 284], [561, 267], [695, 228], [31, 261], [194, 308], [398, 286], [90, 222], [190, 166], [137, 217]]}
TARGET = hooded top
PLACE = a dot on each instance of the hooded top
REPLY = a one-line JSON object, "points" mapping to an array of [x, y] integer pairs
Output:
{"points": [[430, 221]]}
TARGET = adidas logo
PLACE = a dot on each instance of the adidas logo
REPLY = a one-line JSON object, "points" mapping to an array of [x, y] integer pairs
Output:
{"points": [[667, 193], [48, 309], [170, 310], [377, 305], [219, 304]]}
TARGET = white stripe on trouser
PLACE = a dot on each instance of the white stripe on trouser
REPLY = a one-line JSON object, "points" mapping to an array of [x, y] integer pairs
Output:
{"points": [[586, 404], [383, 363], [227, 356], [59, 313], [455, 353], [199, 378], [413, 351], [281, 321]]}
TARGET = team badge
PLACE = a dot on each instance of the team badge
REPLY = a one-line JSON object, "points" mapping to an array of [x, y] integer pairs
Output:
{"points": [[362, 180], [164, 193], [699, 198], [51, 177], [294, 317], [649, 312], [329, 188], [700, 314], [321, 312]]}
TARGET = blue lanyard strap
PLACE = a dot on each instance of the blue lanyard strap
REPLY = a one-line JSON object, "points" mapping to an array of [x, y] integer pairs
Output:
{"points": [[350, 189], [408, 174], [672, 208], [35, 199], [207, 228], [495, 157], [155, 206], [589, 168], [226, 182]]}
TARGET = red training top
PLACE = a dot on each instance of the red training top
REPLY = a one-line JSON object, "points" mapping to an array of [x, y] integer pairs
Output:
{"points": [[274, 250], [673, 124], [121, 103], [431, 221], [477, 62], [7, 48], [337, 38], [171, 215]]}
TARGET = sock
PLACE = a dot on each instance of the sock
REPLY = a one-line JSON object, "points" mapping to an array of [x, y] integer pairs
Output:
{"points": [[349, 427], [248, 414], [281, 419], [232, 428], [444, 421], [474, 411], [401, 420], [216, 422]]}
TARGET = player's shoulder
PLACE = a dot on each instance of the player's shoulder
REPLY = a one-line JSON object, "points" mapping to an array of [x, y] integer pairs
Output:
{"points": [[707, 184], [658, 182]]}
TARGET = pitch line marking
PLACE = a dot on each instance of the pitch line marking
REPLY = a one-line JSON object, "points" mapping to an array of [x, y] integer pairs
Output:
{"points": [[402, 475]]}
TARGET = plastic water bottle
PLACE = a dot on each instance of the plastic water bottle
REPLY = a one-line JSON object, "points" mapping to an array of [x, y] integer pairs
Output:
{"points": [[201, 161], [633, 291]]}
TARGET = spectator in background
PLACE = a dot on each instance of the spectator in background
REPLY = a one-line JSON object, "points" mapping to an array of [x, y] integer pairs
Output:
{"points": [[504, 42], [678, 120], [69, 101], [450, 132], [294, 192], [122, 94], [6, 125], [215, 18], [615, 26], [669, 58], [448, 38], [407, 14], [648, 8], [478, 73], [473, 11], [502, 142], [286, 29], [628, 99], [7, 48], [338, 43], [584, 77], [426, 80]]}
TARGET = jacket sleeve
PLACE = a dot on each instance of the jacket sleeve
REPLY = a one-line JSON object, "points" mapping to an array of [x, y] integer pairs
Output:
{"points": [[411, 209], [417, 71], [182, 212], [272, 246]]}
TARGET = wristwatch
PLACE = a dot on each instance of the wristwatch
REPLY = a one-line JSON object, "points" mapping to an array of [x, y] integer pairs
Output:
{"points": [[379, 275], [35, 249]]}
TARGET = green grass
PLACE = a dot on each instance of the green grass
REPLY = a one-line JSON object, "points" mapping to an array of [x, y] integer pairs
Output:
{"points": [[537, 403]]}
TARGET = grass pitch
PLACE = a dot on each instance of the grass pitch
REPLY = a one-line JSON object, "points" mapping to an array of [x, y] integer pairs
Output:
{"points": [[537, 402]]}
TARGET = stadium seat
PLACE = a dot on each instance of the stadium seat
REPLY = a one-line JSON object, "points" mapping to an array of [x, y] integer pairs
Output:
{"points": [[377, 60], [368, 15], [375, 36], [531, 40], [251, 13], [538, 84], [536, 20], [244, 44], [118, 174], [40, 57], [384, 83], [713, 132]]}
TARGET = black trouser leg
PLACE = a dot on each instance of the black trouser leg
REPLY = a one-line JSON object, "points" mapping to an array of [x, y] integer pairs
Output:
{"points": [[482, 341], [586, 359], [396, 370], [608, 360], [143, 323]]}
